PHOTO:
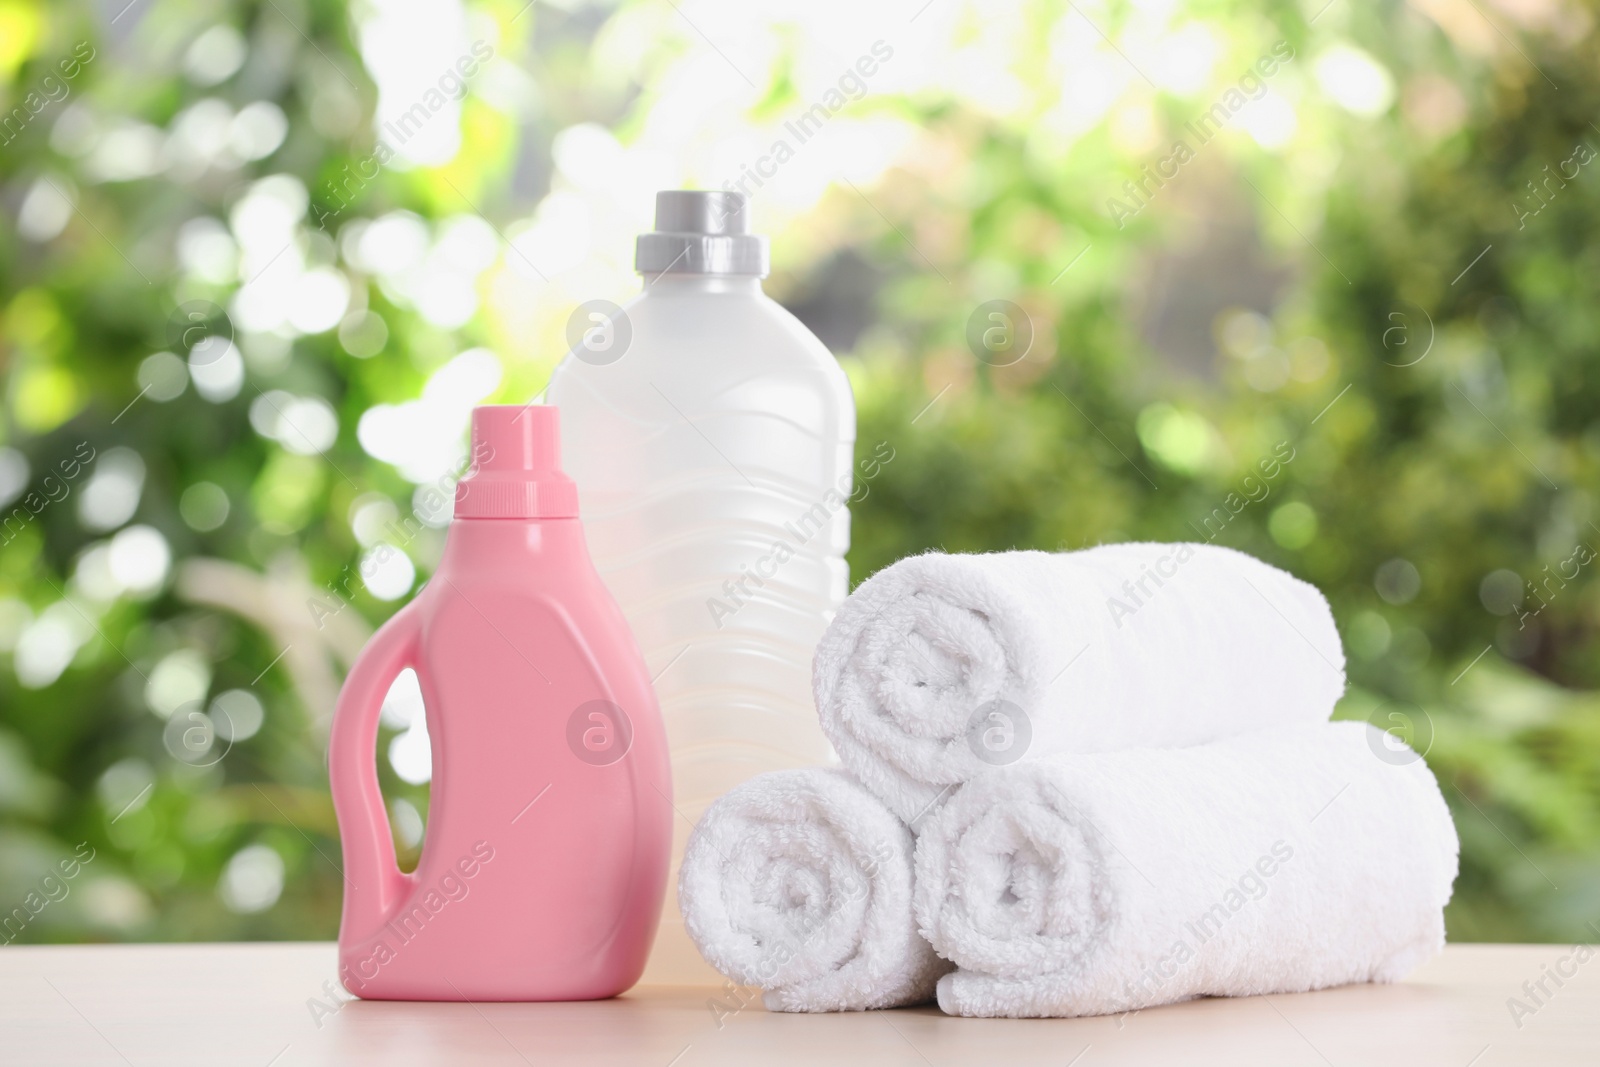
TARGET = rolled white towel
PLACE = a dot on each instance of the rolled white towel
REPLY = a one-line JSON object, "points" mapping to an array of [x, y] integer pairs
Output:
{"points": [[799, 882], [940, 666], [1282, 861]]}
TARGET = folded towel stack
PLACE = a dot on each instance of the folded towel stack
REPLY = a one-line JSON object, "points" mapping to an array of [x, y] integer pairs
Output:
{"points": [[1116, 770]]}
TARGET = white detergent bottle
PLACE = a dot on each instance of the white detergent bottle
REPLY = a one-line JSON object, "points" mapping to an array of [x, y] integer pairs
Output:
{"points": [[711, 438]]}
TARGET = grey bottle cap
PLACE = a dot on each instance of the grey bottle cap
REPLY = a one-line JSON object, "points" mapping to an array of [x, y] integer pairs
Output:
{"points": [[700, 232]]}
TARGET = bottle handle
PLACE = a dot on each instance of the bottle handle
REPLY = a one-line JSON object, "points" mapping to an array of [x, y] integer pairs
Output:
{"points": [[374, 885]]}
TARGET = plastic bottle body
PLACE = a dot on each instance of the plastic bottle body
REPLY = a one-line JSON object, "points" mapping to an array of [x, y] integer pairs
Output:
{"points": [[545, 859], [713, 462]]}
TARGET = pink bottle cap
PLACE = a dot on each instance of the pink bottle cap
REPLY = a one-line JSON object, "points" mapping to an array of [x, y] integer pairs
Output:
{"points": [[516, 466]]}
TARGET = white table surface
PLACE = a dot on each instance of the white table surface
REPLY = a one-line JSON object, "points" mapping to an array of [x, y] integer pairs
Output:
{"points": [[172, 1005]]}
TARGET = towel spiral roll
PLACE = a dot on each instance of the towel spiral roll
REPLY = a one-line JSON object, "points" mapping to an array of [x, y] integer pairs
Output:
{"points": [[799, 882]]}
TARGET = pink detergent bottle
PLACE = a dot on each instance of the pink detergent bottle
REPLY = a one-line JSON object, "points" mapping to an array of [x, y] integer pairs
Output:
{"points": [[545, 861]]}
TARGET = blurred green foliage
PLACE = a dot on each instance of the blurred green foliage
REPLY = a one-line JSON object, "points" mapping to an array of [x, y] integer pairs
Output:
{"points": [[1426, 360]]}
